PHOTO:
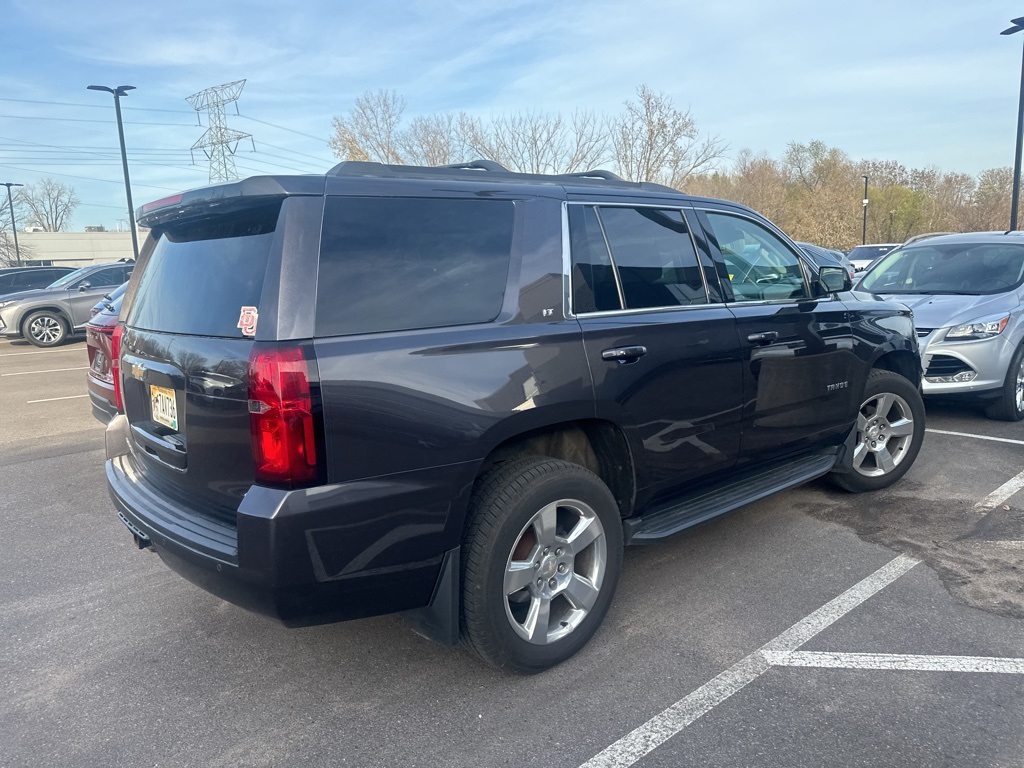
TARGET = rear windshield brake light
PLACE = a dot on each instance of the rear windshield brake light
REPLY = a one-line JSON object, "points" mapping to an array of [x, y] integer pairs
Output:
{"points": [[162, 202]]}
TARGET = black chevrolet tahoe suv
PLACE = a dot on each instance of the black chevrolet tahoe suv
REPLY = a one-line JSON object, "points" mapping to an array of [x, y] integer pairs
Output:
{"points": [[458, 392]]}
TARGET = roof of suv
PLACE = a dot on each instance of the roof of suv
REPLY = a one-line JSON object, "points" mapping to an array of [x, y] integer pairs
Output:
{"points": [[219, 195]]}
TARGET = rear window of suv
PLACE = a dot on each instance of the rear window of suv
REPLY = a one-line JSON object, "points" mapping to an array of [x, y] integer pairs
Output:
{"points": [[200, 275], [390, 264]]}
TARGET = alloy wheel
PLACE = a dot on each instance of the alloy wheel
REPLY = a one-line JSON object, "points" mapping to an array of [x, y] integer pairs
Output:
{"points": [[885, 431], [555, 570]]}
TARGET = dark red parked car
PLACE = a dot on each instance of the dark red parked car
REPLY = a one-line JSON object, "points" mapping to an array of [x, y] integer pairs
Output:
{"points": [[100, 332]]}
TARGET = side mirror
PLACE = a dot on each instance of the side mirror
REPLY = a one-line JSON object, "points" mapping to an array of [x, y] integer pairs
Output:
{"points": [[833, 280], [82, 288]]}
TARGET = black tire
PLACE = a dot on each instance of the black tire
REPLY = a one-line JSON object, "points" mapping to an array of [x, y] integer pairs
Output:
{"points": [[509, 517], [45, 329], [887, 443], [1010, 405]]}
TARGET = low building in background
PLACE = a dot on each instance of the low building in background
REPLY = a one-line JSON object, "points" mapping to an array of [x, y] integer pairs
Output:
{"points": [[75, 249]]}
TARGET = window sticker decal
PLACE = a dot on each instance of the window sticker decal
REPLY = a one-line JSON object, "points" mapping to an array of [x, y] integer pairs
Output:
{"points": [[247, 321]]}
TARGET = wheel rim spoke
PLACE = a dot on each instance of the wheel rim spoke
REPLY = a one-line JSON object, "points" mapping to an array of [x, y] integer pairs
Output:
{"points": [[885, 460], [583, 534], [901, 428], [518, 576], [545, 523], [538, 619], [859, 453], [862, 422], [581, 593], [883, 404]]}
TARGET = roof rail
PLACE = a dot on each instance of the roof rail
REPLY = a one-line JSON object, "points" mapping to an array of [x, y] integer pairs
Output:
{"points": [[477, 165], [595, 174]]}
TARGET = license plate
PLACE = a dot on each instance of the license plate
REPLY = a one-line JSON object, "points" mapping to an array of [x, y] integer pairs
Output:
{"points": [[165, 407]]}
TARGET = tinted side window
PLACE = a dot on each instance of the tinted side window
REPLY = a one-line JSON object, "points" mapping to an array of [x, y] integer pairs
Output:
{"points": [[389, 264], [7, 281], [593, 279], [654, 256], [760, 266], [105, 277]]}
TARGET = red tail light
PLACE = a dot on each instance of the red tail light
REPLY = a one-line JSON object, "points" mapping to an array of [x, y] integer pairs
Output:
{"points": [[281, 416], [115, 364]]}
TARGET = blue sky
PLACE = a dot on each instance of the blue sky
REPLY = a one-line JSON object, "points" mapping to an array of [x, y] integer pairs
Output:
{"points": [[923, 83]]}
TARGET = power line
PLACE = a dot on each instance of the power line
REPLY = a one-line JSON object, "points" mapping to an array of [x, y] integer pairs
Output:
{"points": [[85, 178], [282, 128], [95, 106], [84, 120]]}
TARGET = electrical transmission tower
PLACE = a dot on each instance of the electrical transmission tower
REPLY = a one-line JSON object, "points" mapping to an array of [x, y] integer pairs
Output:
{"points": [[219, 142]]}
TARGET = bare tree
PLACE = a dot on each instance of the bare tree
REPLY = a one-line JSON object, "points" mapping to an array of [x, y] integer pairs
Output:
{"points": [[530, 142], [655, 141], [370, 131], [47, 204], [432, 140]]}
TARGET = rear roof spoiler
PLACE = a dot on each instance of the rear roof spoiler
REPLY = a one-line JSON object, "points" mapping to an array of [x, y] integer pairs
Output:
{"points": [[224, 197]]}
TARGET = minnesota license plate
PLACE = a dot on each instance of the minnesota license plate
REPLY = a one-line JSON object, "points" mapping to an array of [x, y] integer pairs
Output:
{"points": [[164, 406]]}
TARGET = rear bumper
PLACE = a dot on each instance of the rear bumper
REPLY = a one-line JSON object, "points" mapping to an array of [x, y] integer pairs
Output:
{"points": [[305, 556], [101, 397]]}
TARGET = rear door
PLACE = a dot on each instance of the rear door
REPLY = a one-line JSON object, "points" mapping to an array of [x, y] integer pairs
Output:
{"points": [[662, 349], [190, 321], [799, 366]]}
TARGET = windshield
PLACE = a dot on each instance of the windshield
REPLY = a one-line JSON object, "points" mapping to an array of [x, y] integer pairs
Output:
{"points": [[70, 278], [863, 252], [960, 268]]}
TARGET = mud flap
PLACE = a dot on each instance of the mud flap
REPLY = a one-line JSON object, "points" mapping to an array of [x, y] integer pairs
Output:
{"points": [[439, 621]]}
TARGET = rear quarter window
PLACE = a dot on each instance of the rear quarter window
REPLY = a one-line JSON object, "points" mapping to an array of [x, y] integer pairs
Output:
{"points": [[389, 264], [199, 276]]}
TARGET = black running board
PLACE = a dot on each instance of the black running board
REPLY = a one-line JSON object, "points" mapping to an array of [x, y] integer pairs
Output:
{"points": [[737, 491]]}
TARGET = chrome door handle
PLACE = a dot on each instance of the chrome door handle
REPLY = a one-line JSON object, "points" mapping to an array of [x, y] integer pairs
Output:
{"points": [[624, 354]]}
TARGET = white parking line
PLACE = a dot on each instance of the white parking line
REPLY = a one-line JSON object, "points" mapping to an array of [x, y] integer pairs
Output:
{"points": [[52, 370], [976, 437], [903, 662], [671, 721], [1002, 493], [51, 399], [43, 352]]}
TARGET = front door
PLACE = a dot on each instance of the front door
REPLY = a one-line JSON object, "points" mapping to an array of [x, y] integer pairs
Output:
{"points": [[799, 358], [664, 360]]}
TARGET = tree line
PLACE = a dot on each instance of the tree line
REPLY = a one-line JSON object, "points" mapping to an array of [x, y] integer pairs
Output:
{"points": [[813, 192], [47, 205]]}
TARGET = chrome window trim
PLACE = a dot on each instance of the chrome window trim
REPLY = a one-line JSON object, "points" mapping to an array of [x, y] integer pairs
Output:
{"points": [[567, 262], [611, 258]]}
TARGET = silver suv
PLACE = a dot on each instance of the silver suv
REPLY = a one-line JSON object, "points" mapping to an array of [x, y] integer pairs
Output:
{"points": [[47, 316], [966, 293]]}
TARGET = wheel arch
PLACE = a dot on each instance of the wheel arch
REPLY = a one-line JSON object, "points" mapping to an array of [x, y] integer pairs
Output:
{"points": [[55, 308], [901, 361]]}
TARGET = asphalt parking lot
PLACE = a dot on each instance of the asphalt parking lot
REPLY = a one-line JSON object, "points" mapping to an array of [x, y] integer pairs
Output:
{"points": [[813, 628]]}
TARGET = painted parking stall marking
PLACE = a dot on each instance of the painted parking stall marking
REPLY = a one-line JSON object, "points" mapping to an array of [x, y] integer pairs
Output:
{"points": [[976, 437], [52, 370], [1002, 493], [662, 727], [52, 399], [899, 662]]}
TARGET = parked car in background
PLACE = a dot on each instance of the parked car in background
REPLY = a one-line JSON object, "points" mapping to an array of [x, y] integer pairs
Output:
{"points": [[46, 317], [968, 301], [99, 338], [863, 255], [829, 257], [16, 279]]}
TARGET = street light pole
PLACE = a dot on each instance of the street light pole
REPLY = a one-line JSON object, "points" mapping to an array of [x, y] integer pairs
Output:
{"points": [[118, 92], [1018, 25], [864, 203], [14, 227]]}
